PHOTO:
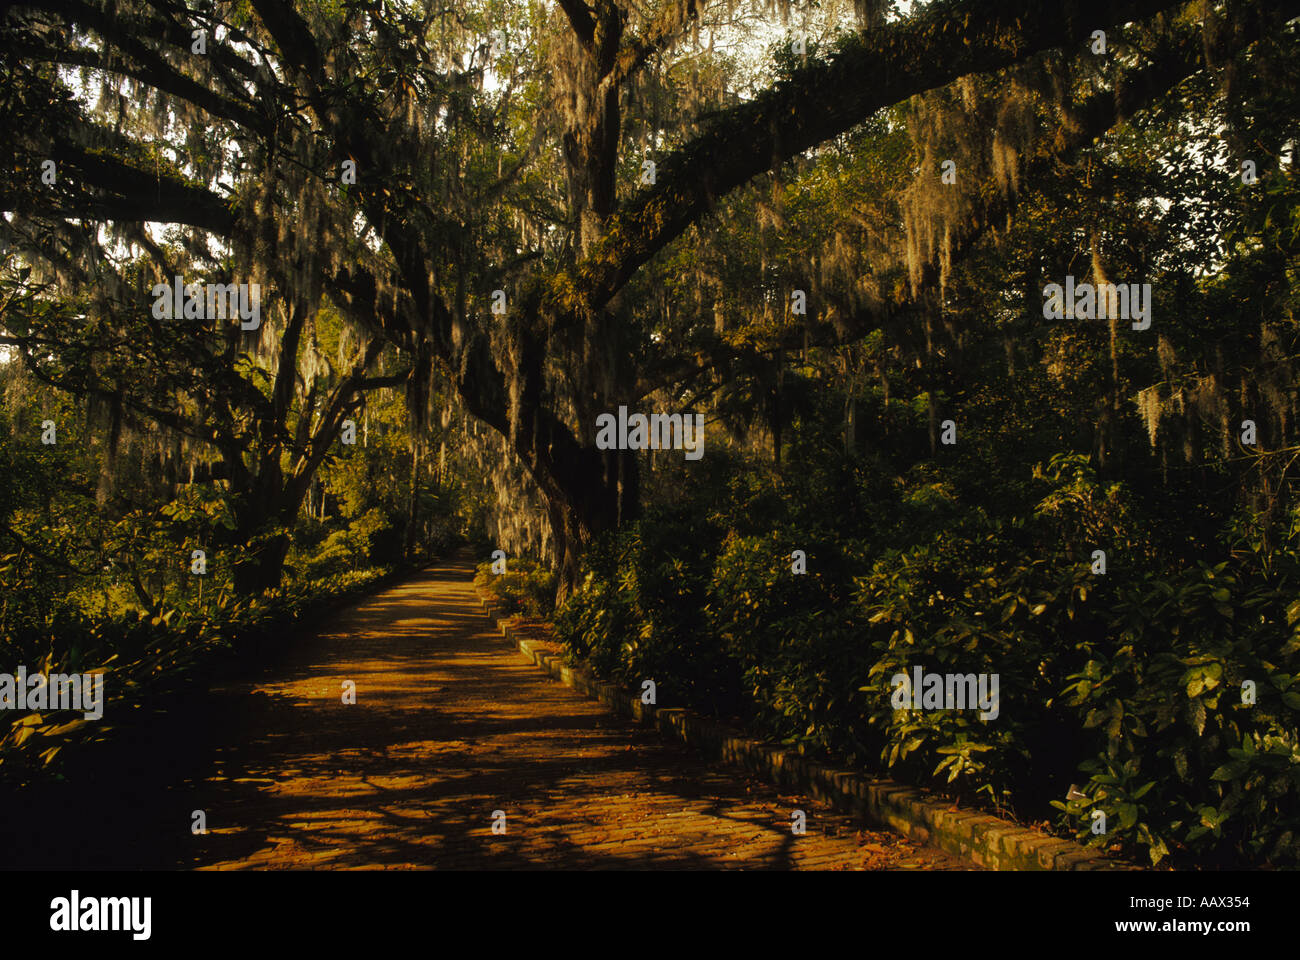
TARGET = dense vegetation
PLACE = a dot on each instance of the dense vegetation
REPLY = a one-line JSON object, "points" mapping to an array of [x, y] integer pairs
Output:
{"points": [[99, 571], [829, 231]]}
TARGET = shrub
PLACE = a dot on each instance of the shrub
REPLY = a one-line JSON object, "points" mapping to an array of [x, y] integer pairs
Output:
{"points": [[1128, 685], [526, 587]]}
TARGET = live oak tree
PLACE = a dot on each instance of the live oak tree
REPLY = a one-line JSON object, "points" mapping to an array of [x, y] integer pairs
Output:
{"points": [[206, 401], [408, 161]]}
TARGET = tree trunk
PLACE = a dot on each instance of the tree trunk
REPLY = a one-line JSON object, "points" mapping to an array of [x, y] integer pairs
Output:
{"points": [[774, 424], [261, 570], [413, 504], [271, 503], [587, 497]]}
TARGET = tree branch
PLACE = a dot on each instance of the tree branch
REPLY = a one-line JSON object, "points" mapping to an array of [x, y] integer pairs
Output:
{"points": [[945, 41], [582, 21]]}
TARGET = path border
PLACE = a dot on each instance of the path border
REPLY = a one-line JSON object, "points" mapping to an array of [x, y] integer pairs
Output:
{"points": [[988, 841]]}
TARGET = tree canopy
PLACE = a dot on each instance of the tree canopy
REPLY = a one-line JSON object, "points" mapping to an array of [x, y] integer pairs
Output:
{"points": [[404, 161], [831, 231]]}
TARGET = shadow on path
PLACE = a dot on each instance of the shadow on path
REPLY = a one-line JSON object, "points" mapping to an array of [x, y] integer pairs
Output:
{"points": [[450, 725]]}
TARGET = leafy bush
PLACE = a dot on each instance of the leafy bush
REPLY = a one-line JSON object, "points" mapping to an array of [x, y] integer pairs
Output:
{"points": [[1128, 683], [147, 661], [1180, 761], [526, 587]]}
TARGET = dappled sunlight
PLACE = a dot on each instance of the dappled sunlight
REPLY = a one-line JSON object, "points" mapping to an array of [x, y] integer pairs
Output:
{"points": [[451, 724]]}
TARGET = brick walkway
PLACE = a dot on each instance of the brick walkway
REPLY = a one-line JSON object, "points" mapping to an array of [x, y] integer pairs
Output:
{"points": [[451, 724]]}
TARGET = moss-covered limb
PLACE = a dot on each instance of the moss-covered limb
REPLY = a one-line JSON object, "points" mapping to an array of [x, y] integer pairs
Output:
{"points": [[137, 62], [653, 38], [581, 19], [946, 41], [1091, 119], [100, 185], [294, 38], [124, 25]]}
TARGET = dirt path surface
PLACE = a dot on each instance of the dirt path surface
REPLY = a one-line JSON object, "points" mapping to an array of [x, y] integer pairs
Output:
{"points": [[452, 724]]}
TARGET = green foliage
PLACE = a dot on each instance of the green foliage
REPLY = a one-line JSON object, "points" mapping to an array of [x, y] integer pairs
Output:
{"points": [[526, 587], [1130, 682], [348, 548], [1181, 762], [923, 305], [148, 662]]}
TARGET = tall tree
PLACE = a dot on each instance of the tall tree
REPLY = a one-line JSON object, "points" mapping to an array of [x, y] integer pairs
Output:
{"points": [[455, 121]]}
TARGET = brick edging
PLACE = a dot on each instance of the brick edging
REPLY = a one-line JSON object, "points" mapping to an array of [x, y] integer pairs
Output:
{"points": [[988, 841]]}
